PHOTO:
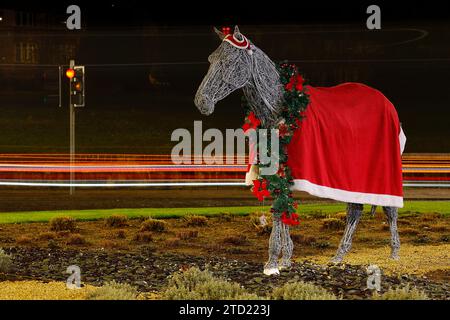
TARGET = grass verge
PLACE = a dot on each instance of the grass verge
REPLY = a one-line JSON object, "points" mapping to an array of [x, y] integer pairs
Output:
{"points": [[442, 207]]}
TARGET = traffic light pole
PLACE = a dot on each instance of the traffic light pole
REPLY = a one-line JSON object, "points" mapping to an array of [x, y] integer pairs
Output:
{"points": [[72, 135]]}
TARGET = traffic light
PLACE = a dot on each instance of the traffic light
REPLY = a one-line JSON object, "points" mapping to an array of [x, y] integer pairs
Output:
{"points": [[77, 86], [70, 73]]}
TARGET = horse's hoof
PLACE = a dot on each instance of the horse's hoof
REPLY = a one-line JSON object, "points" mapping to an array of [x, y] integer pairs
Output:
{"points": [[271, 271], [395, 257]]}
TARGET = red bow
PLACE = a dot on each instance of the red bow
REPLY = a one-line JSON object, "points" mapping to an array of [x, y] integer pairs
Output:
{"points": [[251, 122], [281, 171], [290, 221], [283, 130], [260, 189], [295, 82]]}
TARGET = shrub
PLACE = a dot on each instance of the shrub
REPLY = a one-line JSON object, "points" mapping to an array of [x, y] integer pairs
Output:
{"points": [[63, 224], [422, 238], [402, 222], [114, 291], [225, 216], [341, 215], [321, 244], [195, 221], [143, 237], [365, 239], [5, 261], [153, 225], [263, 230], [317, 214], [172, 242], [405, 293], [195, 284], [109, 244], [186, 235], [409, 231], [120, 234], [301, 291], [24, 239], [333, 224], [76, 239], [439, 228], [432, 216], [445, 238], [47, 236], [52, 244], [63, 234], [236, 240], [116, 221], [303, 239]]}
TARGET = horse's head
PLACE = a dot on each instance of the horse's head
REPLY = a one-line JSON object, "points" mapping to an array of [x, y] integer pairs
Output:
{"points": [[230, 69]]}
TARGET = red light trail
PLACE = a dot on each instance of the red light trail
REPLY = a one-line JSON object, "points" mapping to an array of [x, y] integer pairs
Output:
{"points": [[134, 170]]}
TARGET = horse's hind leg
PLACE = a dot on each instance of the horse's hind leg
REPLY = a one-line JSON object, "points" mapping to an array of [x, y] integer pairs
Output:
{"points": [[354, 211], [287, 247], [275, 243], [392, 215]]}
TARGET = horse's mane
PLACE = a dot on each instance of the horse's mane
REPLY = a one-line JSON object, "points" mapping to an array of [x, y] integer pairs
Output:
{"points": [[264, 91]]}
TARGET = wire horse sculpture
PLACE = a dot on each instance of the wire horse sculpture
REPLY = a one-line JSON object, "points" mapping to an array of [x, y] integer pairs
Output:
{"points": [[239, 64]]}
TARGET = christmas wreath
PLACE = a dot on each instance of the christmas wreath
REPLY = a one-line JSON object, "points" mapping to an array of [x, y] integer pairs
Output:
{"points": [[278, 186]]}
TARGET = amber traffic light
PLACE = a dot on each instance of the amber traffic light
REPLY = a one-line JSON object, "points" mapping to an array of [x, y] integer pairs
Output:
{"points": [[70, 73]]}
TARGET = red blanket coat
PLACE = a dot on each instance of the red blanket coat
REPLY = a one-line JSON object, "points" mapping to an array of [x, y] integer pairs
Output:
{"points": [[348, 147]]}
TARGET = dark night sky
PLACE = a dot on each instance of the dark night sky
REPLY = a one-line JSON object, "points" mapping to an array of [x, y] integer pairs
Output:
{"points": [[119, 13], [324, 37]]}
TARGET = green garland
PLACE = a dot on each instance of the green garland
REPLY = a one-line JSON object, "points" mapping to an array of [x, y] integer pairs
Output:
{"points": [[296, 101]]}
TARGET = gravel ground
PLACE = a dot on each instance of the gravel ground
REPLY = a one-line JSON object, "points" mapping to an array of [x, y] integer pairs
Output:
{"points": [[148, 271]]}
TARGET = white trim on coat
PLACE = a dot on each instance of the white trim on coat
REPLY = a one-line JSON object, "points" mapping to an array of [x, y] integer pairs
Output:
{"points": [[402, 139], [384, 200]]}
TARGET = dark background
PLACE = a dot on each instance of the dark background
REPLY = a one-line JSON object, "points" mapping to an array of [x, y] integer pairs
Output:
{"points": [[145, 60], [119, 13]]}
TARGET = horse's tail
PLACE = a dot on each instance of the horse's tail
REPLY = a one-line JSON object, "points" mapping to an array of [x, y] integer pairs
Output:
{"points": [[372, 211]]}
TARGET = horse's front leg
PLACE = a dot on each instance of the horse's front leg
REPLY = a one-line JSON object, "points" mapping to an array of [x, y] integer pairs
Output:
{"points": [[392, 215], [287, 247], [275, 243]]}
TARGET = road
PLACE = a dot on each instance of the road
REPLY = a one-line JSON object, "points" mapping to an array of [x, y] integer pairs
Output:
{"points": [[150, 172], [140, 170]]}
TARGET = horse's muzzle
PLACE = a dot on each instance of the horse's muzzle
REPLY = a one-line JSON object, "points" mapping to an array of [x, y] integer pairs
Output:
{"points": [[203, 104]]}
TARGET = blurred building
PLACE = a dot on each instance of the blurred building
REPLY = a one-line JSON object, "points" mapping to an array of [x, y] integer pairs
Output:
{"points": [[32, 38], [32, 46]]}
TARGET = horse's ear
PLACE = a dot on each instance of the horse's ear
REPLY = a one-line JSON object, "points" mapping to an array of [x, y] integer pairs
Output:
{"points": [[219, 33], [236, 30]]}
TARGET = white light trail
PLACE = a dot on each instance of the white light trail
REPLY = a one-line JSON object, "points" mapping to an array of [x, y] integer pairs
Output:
{"points": [[126, 184], [167, 184], [427, 185]]}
